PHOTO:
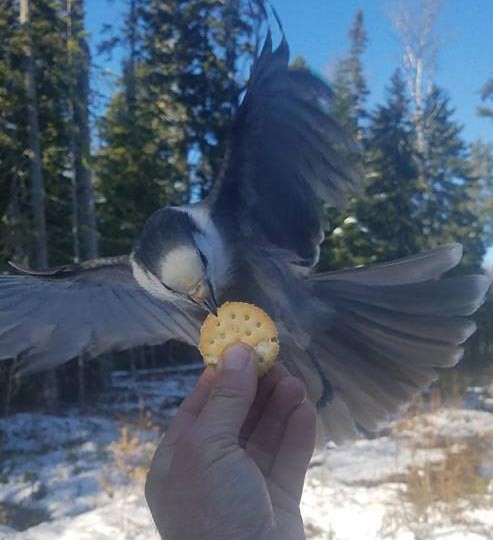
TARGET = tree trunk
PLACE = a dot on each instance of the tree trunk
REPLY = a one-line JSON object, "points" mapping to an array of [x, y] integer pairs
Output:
{"points": [[34, 153], [415, 24], [83, 212], [50, 386], [84, 192], [16, 241]]}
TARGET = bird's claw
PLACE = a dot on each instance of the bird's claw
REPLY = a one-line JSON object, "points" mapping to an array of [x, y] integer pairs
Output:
{"points": [[327, 389]]}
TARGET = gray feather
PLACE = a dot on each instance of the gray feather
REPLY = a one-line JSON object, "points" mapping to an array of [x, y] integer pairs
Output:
{"points": [[285, 158], [395, 326], [423, 267], [91, 308]]}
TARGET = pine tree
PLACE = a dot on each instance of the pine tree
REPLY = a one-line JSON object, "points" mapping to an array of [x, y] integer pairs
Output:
{"points": [[388, 210], [486, 95], [349, 83], [343, 246], [133, 162], [165, 131], [84, 217], [14, 201], [34, 151], [49, 33], [446, 207], [482, 196], [40, 258]]}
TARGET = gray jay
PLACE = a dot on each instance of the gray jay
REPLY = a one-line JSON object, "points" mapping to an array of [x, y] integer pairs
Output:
{"points": [[365, 341]]}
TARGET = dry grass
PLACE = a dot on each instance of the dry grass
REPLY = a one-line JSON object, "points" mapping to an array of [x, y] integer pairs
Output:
{"points": [[439, 491], [131, 458], [455, 478], [313, 532]]}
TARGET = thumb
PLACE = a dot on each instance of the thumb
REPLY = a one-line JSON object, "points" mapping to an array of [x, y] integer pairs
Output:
{"points": [[232, 394]]}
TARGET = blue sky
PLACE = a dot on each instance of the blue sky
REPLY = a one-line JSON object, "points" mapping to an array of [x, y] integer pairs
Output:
{"points": [[317, 30]]}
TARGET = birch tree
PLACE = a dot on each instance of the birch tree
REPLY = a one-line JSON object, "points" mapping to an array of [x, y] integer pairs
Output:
{"points": [[415, 24]]}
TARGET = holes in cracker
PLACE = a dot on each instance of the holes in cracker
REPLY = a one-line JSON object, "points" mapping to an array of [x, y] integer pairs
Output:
{"points": [[233, 316], [247, 317], [248, 333], [258, 325]]}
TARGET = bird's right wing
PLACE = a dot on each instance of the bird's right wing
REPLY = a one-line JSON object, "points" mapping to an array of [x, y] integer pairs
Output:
{"points": [[47, 318]]}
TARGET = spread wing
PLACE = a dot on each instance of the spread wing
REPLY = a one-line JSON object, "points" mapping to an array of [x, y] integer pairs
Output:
{"points": [[285, 158], [47, 318]]}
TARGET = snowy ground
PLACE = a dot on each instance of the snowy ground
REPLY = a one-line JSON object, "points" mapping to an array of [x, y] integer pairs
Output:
{"points": [[78, 477]]}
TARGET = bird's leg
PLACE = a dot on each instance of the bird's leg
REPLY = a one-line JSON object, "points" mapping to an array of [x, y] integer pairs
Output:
{"points": [[328, 390]]}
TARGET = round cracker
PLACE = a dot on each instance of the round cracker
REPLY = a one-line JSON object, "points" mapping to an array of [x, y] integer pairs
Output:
{"points": [[239, 322]]}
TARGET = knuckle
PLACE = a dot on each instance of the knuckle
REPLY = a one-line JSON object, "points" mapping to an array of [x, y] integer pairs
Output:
{"points": [[296, 384], [226, 393], [218, 440]]}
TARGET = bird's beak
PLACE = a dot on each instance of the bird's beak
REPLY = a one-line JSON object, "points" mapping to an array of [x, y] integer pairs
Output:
{"points": [[203, 295]]}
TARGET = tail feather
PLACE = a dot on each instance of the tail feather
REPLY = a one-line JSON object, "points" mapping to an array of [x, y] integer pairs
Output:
{"points": [[455, 330], [394, 327], [448, 297], [423, 267]]}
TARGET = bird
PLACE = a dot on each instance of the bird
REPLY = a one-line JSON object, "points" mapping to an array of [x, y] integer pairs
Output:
{"points": [[365, 341]]}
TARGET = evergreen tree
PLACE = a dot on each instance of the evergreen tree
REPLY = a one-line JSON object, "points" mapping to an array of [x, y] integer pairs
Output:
{"points": [[40, 258], [343, 244], [14, 201], [84, 217], [49, 33], [165, 131], [382, 224], [133, 160], [388, 210], [299, 63], [446, 207], [349, 83], [482, 196], [487, 95]]}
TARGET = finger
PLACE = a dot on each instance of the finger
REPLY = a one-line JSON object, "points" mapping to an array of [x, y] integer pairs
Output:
{"points": [[265, 388], [232, 394], [264, 442], [182, 421], [190, 407], [292, 460]]}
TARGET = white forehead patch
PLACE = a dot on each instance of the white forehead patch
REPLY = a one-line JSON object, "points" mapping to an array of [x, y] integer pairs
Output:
{"points": [[181, 269], [211, 244]]}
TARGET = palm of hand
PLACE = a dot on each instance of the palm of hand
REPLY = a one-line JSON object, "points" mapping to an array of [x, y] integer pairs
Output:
{"points": [[208, 481]]}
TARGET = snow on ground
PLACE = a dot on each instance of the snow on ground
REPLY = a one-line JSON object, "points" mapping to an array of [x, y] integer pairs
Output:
{"points": [[80, 476]]}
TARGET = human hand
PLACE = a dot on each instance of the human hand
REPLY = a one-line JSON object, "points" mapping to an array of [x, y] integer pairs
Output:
{"points": [[233, 461]]}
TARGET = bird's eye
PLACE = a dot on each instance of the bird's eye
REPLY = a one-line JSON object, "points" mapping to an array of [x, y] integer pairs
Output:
{"points": [[203, 258]]}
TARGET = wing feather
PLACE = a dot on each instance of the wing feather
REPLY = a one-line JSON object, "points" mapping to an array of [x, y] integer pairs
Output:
{"points": [[95, 307], [286, 158]]}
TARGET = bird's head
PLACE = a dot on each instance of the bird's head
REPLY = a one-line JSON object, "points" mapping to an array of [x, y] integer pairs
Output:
{"points": [[167, 260]]}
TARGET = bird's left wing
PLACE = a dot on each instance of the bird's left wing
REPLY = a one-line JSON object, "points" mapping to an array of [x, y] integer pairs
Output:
{"points": [[286, 158], [47, 318]]}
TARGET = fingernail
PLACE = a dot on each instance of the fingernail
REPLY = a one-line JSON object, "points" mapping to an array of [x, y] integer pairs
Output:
{"points": [[235, 358]]}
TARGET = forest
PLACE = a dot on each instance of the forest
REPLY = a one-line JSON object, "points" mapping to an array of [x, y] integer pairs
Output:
{"points": [[81, 169]]}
